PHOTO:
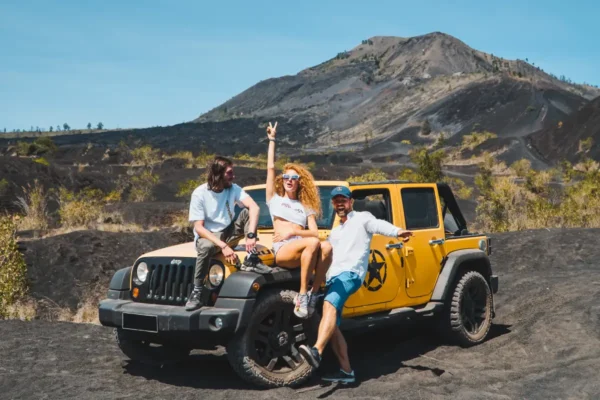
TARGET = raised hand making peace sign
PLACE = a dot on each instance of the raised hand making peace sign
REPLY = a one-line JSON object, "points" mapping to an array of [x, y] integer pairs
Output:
{"points": [[271, 130]]}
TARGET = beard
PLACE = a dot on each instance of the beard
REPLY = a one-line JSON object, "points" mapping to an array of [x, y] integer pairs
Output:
{"points": [[342, 212]]}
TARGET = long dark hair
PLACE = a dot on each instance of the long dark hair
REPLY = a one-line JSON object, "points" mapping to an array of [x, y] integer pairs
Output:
{"points": [[216, 173]]}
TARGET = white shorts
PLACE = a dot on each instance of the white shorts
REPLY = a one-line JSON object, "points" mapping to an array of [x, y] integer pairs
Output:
{"points": [[277, 245]]}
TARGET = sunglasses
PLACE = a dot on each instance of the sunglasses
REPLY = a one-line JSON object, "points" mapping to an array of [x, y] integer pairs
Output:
{"points": [[293, 177]]}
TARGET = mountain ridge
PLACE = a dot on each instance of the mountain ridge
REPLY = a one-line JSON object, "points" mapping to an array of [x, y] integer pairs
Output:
{"points": [[387, 86]]}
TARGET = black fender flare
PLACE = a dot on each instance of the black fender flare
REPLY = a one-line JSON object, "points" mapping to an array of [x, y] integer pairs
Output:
{"points": [[121, 279], [240, 284], [453, 264], [119, 286]]}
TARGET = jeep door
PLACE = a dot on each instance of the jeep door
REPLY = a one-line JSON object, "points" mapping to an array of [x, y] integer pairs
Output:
{"points": [[384, 274], [424, 252]]}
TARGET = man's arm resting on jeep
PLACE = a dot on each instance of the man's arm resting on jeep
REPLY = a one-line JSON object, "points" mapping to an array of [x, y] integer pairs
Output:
{"points": [[381, 227]]}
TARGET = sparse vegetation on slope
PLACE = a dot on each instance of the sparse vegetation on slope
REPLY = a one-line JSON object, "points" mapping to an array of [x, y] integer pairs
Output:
{"points": [[13, 270]]}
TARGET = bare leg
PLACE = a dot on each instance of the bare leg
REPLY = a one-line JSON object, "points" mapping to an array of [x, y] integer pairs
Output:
{"points": [[340, 348], [323, 263], [304, 250], [327, 326]]}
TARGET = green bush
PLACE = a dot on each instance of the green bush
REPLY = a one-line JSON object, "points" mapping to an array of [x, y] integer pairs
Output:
{"points": [[186, 188], [42, 161], [41, 145], [142, 186], [13, 270], [146, 156], [586, 145]]}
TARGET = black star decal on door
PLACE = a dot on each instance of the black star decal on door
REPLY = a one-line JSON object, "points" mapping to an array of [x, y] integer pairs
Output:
{"points": [[377, 272]]}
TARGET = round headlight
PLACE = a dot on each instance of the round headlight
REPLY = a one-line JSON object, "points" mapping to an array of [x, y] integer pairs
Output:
{"points": [[215, 275], [483, 245], [141, 272]]}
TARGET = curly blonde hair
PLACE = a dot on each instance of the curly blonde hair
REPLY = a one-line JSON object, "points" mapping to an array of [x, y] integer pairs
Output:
{"points": [[308, 193]]}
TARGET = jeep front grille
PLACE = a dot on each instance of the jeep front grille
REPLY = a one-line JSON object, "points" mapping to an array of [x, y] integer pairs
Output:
{"points": [[167, 283]]}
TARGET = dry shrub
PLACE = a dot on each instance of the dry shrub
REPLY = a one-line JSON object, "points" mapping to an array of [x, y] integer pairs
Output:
{"points": [[181, 221], [539, 201], [13, 270], [24, 309], [33, 204], [186, 156], [475, 139], [585, 145], [80, 209], [146, 156], [114, 196], [87, 312], [203, 159], [374, 174], [142, 186], [521, 167]]}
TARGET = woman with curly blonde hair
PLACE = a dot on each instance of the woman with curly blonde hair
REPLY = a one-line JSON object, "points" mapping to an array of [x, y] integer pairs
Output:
{"points": [[295, 205]]}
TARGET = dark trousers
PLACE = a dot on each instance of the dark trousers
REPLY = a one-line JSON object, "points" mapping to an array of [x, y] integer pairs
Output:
{"points": [[207, 249]]}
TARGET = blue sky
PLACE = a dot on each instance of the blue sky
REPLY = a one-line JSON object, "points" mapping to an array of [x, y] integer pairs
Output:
{"points": [[154, 62]]}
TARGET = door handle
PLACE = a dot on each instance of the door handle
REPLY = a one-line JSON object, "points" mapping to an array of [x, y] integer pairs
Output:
{"points": [[437, 241], [394, 246]]}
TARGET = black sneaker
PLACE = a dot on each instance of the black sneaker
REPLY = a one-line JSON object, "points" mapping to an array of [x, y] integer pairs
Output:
{"points": [[340, 376], [311, 354], [195, 300]]}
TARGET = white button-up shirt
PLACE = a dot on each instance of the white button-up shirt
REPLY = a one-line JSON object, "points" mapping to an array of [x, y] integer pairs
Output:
{"points": [[351, 242]]}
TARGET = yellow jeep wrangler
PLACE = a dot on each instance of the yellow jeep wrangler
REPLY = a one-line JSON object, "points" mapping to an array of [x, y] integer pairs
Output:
{"points": [[443, 272]]}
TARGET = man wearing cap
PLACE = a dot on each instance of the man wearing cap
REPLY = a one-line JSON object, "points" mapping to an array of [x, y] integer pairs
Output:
{"points": [[351, 242]]}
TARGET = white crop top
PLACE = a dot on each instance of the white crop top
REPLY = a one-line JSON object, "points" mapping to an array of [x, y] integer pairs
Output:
{"points": [[290, 210]]}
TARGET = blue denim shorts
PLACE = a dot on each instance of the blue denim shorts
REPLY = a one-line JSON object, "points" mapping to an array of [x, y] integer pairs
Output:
{"points": [[339, 288]]}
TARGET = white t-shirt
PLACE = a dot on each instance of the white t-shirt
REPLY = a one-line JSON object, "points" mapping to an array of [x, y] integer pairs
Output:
{"points": [[290, 210], [351, 242], [212, 206]]}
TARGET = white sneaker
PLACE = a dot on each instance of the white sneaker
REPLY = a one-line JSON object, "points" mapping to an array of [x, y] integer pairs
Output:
{"points": [[301, 305]]}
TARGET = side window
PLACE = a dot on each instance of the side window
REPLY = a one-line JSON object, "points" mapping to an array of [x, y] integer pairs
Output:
{"points": [[375, 201], [420, 208], [450, 224]]}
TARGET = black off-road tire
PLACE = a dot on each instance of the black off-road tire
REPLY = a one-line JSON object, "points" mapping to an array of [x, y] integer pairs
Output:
{"points": [[147, 353], [467, 318], [273, 337]]}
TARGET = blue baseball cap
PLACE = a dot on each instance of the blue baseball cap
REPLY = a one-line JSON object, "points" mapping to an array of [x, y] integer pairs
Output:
{"points": [[341, 190]]}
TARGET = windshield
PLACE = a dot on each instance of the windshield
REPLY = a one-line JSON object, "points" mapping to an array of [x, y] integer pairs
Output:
{"points": [[264, 218]]}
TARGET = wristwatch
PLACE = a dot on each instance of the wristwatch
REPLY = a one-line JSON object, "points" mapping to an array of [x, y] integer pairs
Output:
{"points": [[251, 235]]}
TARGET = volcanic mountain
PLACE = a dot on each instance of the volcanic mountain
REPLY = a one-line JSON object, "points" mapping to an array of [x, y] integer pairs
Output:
{"points": [[385, 88]]}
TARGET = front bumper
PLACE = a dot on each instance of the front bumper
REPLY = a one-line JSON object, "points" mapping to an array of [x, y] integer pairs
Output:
{"points": [[158, 318]]}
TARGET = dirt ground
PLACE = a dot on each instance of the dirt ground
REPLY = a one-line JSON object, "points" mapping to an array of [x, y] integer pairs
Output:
{"points": [[545, 344]]}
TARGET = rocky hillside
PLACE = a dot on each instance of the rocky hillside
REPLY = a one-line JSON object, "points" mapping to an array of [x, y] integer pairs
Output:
{"points": [[563, 140]]}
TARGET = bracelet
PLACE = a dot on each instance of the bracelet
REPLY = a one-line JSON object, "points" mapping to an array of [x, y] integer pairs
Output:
{"points": [[272, 140]]}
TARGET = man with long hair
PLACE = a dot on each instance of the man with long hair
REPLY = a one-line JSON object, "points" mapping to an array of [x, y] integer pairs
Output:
{"points": [[212, 212]]}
